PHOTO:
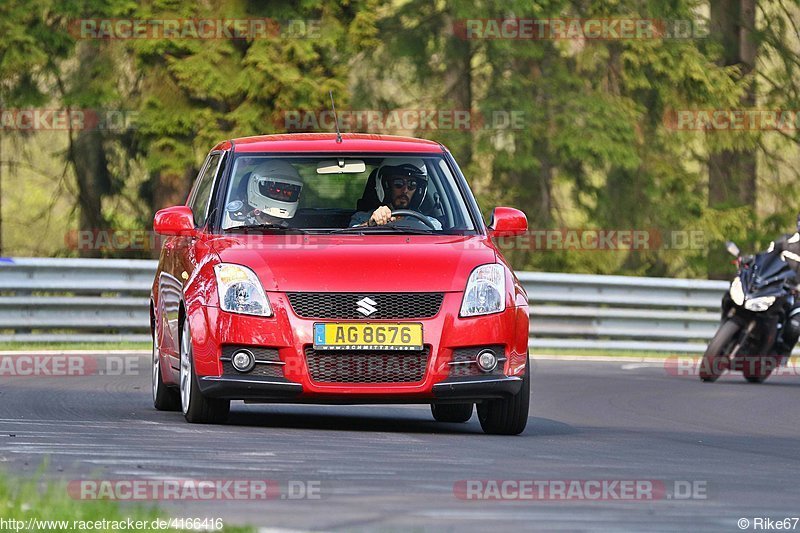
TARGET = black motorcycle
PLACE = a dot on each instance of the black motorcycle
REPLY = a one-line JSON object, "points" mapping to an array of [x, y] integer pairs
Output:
{"points": [[754, 313]]}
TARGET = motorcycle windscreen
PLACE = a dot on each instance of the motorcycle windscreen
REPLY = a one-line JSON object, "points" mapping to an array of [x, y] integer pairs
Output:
{"points": [[769, 267]]}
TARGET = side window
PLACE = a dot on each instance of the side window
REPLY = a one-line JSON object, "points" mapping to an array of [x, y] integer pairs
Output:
{"points": [[202, 192]]}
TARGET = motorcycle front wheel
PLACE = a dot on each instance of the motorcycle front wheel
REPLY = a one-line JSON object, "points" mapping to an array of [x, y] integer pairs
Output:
{"points": [[758, 368], [715, 360]]}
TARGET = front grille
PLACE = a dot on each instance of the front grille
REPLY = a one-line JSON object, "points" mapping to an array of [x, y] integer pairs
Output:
{"points": [[345, 305], [260, 370], [342, 366], [467, 355]]}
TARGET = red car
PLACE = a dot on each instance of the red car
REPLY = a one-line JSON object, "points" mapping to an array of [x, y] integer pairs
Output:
{"points": [[311, 268]]}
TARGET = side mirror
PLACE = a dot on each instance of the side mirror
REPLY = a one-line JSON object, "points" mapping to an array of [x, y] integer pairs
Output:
{"points": [[732, 248], [507, 222], [177, 220]]}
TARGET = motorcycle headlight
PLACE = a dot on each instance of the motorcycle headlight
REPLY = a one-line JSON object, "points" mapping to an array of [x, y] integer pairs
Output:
{"points": [[240, 290], [737, 294], [759, 304], [486, 291]]}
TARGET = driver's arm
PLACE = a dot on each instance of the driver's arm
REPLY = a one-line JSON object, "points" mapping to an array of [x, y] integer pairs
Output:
{"points": [[383, 215]]}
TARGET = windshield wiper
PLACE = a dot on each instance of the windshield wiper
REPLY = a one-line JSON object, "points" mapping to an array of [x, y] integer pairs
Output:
{"points": [[386, 228], [264, 226]]}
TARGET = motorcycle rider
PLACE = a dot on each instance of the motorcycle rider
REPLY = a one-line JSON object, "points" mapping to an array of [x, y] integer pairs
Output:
{"points": [[788, 246]]}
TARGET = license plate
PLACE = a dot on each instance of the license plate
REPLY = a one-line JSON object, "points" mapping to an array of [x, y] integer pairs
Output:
{"points": [[344, 336]]}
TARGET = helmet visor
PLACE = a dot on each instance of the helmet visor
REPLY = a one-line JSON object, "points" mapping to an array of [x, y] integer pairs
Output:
{"points": [[279, 190]]}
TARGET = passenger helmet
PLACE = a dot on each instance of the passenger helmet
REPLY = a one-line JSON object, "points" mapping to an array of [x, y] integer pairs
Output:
{"points": [[274, 188]]}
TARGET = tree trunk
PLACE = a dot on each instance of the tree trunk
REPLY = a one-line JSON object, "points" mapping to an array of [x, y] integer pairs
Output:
{"points": [[458, 87], [172, 188], [88, 158], [732, 174]]}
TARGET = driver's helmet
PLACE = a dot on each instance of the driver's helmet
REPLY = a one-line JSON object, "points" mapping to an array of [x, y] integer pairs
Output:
{"points": [[405, 168], [274, 188]]}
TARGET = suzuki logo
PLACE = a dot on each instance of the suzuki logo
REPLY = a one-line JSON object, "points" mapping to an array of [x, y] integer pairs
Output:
{"points": [[366, 306]]}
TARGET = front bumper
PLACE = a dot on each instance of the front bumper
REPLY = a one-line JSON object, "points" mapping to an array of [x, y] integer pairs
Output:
{"points": [[279, 390], [477, 388], [290, 335], [245, 388]]}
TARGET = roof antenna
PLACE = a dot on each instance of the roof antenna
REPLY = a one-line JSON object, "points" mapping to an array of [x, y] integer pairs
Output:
{"points": [[336, 120]]}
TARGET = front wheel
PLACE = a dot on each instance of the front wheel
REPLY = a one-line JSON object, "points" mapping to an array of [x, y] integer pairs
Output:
{"points": [[715, 360], [197, 408], [758, 368], [508, 416]]}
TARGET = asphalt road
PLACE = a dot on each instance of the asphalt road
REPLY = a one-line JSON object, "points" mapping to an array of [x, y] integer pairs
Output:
{"points": [[394, 468]]}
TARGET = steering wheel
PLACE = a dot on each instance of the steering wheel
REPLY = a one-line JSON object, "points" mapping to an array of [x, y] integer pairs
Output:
{"points": [[411, 213]]}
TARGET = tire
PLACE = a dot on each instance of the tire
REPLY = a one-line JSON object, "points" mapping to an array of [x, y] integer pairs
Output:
{"points": [[508, 416], [196, 408], [757, 369], [715, 360], [451, 412], [164, 398]]}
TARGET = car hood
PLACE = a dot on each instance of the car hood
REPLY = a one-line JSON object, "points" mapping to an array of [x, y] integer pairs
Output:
{"points": [[355, 263]]}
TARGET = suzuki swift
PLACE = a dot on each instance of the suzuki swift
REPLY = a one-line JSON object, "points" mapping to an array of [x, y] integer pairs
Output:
{"points": [[317, 268]]}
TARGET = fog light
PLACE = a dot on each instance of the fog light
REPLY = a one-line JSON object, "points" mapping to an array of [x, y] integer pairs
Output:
{"points": [[487, 360], [243, 361]]}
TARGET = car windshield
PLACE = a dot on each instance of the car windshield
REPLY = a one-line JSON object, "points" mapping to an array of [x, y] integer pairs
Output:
{"points": [[338, 193]]}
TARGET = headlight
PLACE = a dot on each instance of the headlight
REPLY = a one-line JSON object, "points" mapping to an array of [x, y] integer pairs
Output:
{"points": [[486, 291], [737, 294], [759, 304], [240, 291]]}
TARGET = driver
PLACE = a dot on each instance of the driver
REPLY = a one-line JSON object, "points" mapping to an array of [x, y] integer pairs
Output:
{"points": [[273, 193], [401, 183]]}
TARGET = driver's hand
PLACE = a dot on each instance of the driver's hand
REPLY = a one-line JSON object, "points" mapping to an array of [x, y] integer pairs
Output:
{"points": [[381, 216]]}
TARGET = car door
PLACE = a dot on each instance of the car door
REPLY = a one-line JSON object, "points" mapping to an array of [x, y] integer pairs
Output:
{"points": [[181, 254], [191, 251]]}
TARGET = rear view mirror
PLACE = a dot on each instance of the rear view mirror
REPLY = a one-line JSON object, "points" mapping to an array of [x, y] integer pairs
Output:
{"points": [[732, 248], [341, 166]]}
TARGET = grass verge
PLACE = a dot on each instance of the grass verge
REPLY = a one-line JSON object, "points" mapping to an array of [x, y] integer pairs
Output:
{"points": [[47, 506]]}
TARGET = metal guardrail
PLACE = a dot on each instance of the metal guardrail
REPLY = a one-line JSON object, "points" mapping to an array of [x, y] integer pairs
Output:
{"points": [[93, 300]]}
